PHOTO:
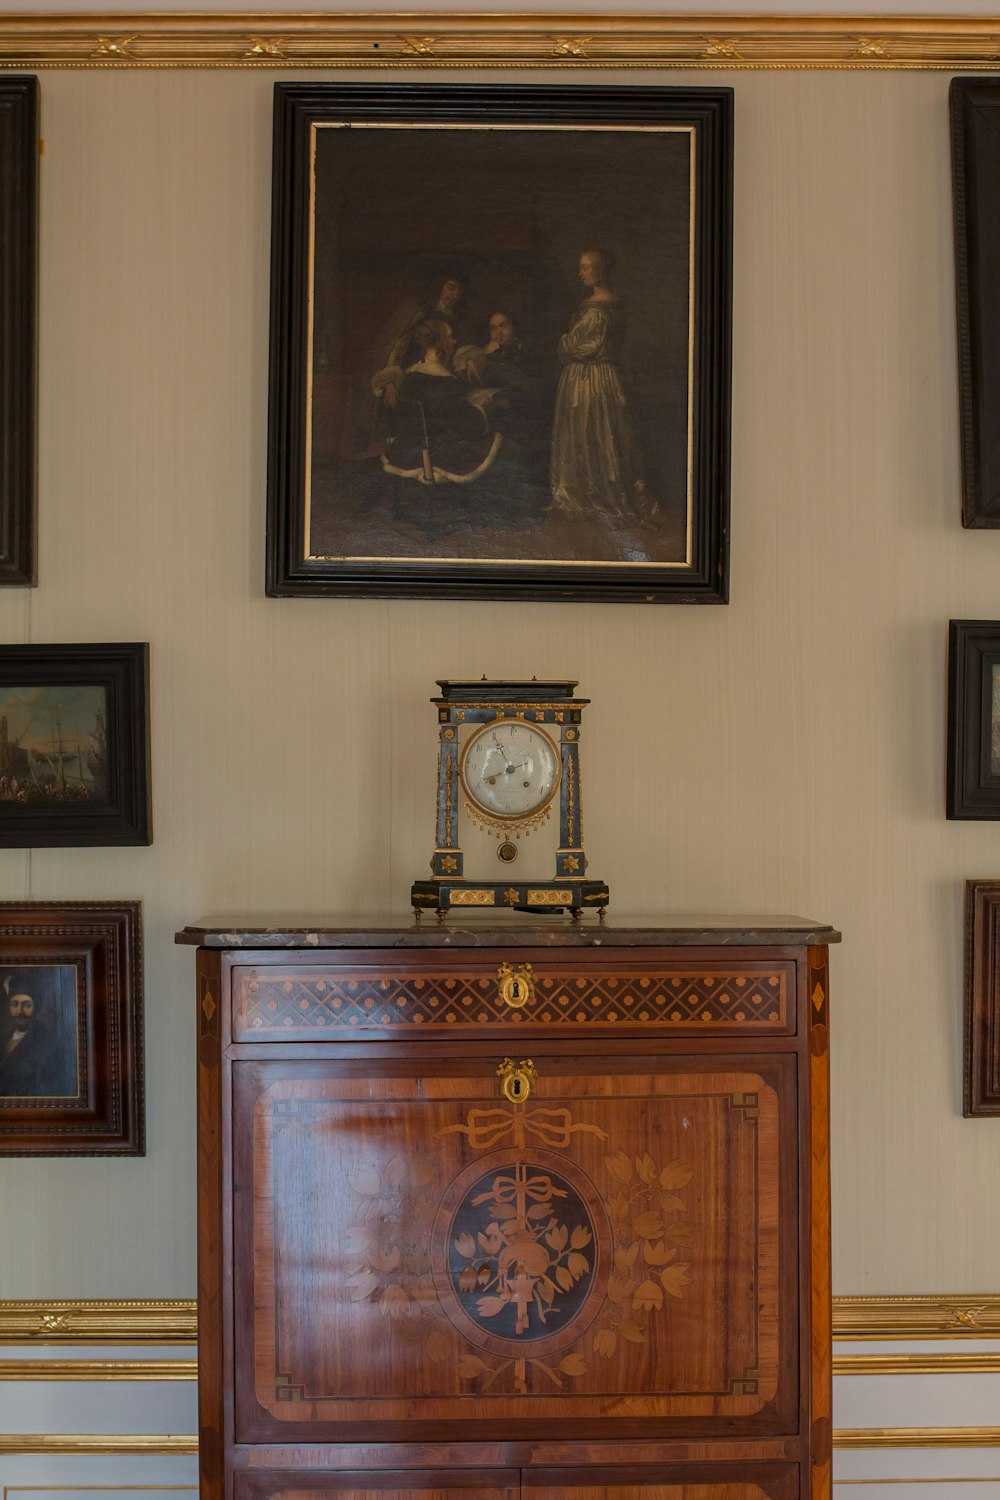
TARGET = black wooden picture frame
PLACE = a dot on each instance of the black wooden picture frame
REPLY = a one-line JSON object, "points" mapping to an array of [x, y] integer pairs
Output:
{"points": [[975, 140], [71, 1029], [974, 719], [19, 148], [74, 745], [309, 550]]}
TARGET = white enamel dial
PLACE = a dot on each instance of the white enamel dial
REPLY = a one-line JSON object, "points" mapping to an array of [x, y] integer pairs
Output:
{"points": [[510, 769]]}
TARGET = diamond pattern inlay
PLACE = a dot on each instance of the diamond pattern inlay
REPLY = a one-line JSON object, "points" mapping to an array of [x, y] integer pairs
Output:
{"points": [[353, 1000]]}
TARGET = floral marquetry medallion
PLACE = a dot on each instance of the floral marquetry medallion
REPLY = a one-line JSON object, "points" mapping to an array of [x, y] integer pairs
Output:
{"points": [[556, 1256], [518, 1252]]}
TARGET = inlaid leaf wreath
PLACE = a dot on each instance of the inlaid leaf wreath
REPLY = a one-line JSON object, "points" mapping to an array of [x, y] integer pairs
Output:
{"points": [[390, 1249], [650, 1223]]}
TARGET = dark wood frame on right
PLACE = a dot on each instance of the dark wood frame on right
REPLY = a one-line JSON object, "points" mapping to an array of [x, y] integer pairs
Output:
{"points": [[975, 142], [973, 700], [982, 998], [18, 326]]}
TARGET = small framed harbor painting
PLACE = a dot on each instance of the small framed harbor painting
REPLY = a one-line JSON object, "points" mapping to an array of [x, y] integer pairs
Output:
{"points": [[500, 342], [74, 745], [71, 1045]]}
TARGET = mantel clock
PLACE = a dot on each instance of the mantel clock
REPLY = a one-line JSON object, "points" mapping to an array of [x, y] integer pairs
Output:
{"points": [[509, 769]]}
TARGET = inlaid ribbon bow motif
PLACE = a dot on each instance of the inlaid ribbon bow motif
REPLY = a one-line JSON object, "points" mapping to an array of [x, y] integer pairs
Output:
{"points": [[486, 1128]]}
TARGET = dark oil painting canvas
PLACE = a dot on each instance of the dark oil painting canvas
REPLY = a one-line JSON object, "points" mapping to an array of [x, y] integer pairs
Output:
{"points": [[503, 360], [39, 1032], [53, 744]]}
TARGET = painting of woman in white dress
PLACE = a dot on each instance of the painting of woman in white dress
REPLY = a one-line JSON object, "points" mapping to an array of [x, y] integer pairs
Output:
{"points": [[596, 460], [568, 252]]}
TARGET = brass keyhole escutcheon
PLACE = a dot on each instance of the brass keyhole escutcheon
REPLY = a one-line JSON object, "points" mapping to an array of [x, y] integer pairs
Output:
{"points": [[517, 986], [517, 1079]]}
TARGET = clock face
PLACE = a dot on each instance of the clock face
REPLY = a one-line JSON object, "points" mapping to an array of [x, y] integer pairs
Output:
{"points": [[510, 769]]}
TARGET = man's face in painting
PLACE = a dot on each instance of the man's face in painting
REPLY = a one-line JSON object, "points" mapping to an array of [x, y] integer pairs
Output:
{"points": [[501, 330], [451, 293]]}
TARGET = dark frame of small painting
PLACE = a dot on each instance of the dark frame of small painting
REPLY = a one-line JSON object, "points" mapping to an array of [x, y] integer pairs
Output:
{"points": [[71, 1029], [447, 417], [982, 998], [975, 147], [974, 719], [74, 745], [19, 147]]}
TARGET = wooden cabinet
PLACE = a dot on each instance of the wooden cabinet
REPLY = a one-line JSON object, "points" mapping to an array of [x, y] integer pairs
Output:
{"points": [[513, 1210]]}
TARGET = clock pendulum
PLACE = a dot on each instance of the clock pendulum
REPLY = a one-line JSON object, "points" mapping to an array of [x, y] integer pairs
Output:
{"points": [[508, 760]]}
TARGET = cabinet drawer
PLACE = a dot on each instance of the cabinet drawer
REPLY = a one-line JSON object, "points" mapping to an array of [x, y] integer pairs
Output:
{"points": [[725, 1481], [489, 994], [452, 1484]]}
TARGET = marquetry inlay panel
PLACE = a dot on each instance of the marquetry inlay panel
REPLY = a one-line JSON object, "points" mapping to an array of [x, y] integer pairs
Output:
{"points": [[420, 1246], [296, 1003]]}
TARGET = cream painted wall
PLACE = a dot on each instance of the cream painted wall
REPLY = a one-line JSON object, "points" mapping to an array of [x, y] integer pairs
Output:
{"points": [[783, 754]]}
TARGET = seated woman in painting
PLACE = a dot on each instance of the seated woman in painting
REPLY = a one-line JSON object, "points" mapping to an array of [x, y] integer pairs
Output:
{"points": [[595, 466], [440, 431]]}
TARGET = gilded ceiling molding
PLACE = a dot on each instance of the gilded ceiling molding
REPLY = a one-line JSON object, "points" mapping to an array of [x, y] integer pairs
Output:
{"points": [[311, 40]]}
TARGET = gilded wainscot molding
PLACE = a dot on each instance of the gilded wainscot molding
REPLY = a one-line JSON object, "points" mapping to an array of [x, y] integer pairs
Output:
{"points": [[238, 39]]}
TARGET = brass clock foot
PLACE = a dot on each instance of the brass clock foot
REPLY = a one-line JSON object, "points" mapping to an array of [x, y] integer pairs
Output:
{"points": [[417, 915], [442, 912], [576, 913], [602, 912]]}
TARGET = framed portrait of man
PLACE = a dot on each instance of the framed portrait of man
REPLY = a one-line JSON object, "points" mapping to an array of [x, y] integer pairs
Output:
{"points": [[500, 342], [71, 1045]]}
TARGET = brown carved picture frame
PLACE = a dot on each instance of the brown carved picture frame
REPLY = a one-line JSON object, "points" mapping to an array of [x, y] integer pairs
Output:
{"points": [[982, 998], [71, 1032]]}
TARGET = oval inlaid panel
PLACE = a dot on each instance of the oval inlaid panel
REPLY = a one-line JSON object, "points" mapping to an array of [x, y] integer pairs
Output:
{"points": [[521, 1246]]}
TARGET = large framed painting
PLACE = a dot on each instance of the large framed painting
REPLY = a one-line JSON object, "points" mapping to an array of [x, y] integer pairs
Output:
{"points": [[975, 142], [18, 326], [500, 342], [71, 1045], [74, 745], [974, 719]]}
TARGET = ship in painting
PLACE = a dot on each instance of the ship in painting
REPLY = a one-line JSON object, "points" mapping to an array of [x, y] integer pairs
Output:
{"points": [[55, 769]]}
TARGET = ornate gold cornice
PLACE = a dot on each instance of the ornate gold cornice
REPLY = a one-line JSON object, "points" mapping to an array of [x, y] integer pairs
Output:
{"points": [[98, 1322], [238, 39]]}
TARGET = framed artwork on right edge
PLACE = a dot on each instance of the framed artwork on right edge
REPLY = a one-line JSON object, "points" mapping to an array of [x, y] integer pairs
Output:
{"points": [[974, 719], [975, 142], [18, 326], [982, 998]]}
